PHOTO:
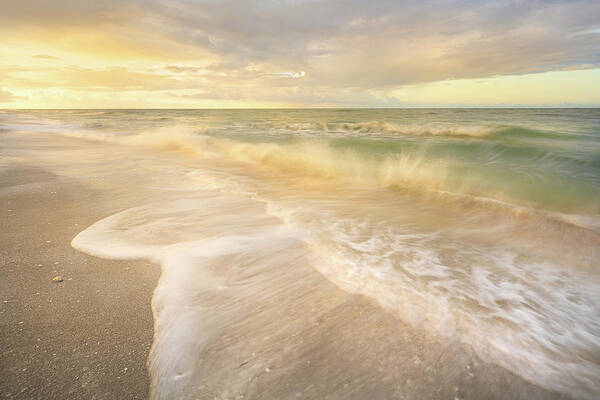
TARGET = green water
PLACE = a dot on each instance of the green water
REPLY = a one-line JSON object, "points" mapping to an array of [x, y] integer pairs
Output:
{"points": [[545, 159]]}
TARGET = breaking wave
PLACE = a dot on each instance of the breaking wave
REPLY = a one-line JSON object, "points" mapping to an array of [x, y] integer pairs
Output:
{"points": [[361, 164]]}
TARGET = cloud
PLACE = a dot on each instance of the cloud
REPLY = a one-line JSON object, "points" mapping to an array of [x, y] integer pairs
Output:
{"points": [[65, 12], [182, 69], [117, 78], [295, 50], [6, 96], [377, 44], [46, 57]]}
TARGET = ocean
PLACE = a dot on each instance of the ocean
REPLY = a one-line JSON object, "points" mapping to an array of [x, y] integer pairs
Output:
{"points": [[477, 226]]}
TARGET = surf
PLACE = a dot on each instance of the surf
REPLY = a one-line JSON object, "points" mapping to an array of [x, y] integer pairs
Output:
{"points": [[488, 242]]}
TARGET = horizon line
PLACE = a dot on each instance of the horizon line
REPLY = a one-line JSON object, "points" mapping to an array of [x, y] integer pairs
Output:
{"points": [[595, 106]]}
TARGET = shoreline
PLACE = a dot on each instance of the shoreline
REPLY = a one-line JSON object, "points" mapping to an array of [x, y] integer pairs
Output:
{"points": [[96, 327]]}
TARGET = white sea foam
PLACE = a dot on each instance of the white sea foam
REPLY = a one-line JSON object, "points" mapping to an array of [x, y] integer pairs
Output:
{"points": [[531, 317], [193, 240]]}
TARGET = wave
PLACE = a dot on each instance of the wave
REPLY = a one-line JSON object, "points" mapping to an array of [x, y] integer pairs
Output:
{"points": [[384, 128], [329, 162], [530, 316], [501, 285], [443, 237], [313, 158]]}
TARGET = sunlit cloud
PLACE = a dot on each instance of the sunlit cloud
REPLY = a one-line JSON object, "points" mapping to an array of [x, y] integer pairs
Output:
{"points": [[291, 53], [46, 57], [6, 96]]}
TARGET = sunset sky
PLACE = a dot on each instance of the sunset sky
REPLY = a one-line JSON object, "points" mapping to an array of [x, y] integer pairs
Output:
{"points": [[298, 53]]}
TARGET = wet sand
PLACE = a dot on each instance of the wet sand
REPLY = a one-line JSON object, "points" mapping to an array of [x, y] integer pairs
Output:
{"points": [[89, 336]]}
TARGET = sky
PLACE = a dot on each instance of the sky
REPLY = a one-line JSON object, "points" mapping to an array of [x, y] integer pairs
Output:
{"points": [[298, 53]]}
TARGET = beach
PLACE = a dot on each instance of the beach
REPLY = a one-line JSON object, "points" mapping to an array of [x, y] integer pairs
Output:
{"points": [[89, 336], [245, 306], [279, 200], [86, 337]]}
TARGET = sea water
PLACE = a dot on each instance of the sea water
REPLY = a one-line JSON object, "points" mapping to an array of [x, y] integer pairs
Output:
{"points": [[479, 226]]}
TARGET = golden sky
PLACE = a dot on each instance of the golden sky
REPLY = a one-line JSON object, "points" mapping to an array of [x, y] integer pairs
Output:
{"points": [[298, 53]]}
